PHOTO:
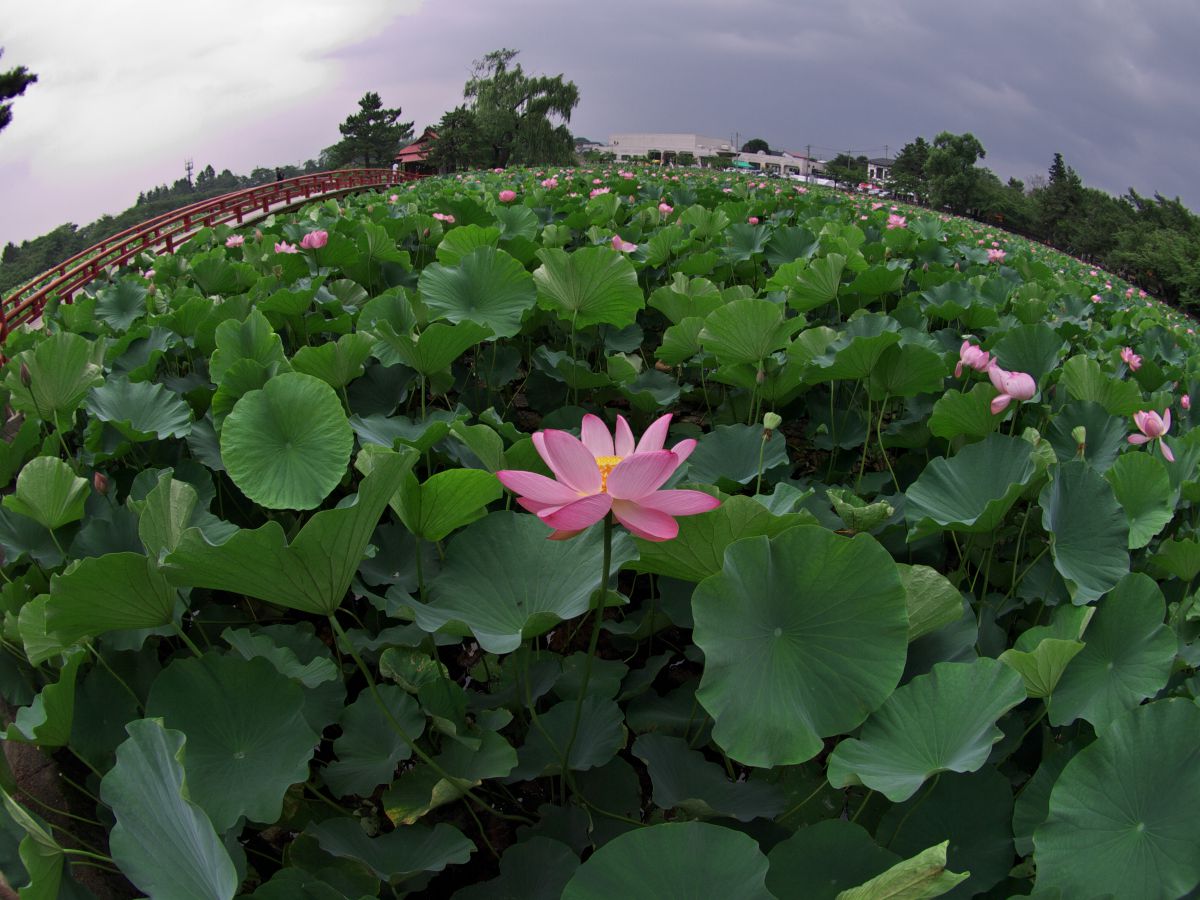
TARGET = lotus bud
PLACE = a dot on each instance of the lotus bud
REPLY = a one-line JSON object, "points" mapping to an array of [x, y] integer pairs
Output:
{"points": [[26, 379], [100, 483], [760, 376]]}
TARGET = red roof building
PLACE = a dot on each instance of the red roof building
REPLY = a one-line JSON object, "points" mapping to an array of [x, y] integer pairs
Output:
{"points": [[414, 157]]}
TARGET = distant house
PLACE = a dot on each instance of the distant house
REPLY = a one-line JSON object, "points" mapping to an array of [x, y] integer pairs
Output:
{"points": [[879, 170], [415, 157], [782, 162], [667, 147]]}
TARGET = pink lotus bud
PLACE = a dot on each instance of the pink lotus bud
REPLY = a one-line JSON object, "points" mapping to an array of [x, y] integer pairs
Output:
{"points": [[753, 220], [1186, 401], [26, 379], [315, 240], [507, 196], [100, 482]]}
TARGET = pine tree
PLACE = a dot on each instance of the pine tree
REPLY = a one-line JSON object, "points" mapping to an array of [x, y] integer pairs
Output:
{"points": [[12, 84]]}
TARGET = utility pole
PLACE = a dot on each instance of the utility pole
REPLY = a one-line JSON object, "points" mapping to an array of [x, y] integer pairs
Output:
{"points": [[188, 166], [808, 163]]}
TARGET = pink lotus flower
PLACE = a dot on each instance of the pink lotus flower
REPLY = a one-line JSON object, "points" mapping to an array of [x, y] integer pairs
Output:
{"points": [[392, 198], [753, 220], [550, 182], [665, 209], [444, 217], [996, 256], [1152, 427], [1131, 359], [285, 247], [600, 473], [896, 221], [622, 246], [507, 196], [1096, 298], [1011, 385], [314, 240], [973, 358], [235, 240]]}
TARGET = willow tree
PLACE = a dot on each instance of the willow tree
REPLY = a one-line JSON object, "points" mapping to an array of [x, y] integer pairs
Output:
{"points": [[515, 112]]}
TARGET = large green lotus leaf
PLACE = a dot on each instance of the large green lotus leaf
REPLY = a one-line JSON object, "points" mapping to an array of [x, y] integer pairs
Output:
{"points": [[369, 747], [247, 740], [791, 243], [858, 349], [817, 284], [1105, 435], [600, 736], [1084, 380], [294, 883], [314, 673], [686, 298], [487, 287], [972, 490], [731, 452], [1033, 801], [973, 812], [699, 549], [47, 721], [49, 492], [1122, 819], [504, 582], [163, 841], [242, 377], [140, 410], [1142, 486], [923, 876], [172, 507], [803, 636], [538, 868], [1042, 667], [120, 305], [1032, 349], [1088, 532], [879, 280], [743, 240], [18, 448], [907, 371], [663, 244], [1127, 658], [108, 593], [435, 348], [286, 446], [747, 331], [252, 339], [822, 860], [336, 364], [62, 369], [941, 722], [458, 242], [1180, 558], [401, 431], [681, 342], [957, 414], [684, 779], [677, 859], [932, 600], [399, 854], [314, 571], [591, 286], [447, 501]]}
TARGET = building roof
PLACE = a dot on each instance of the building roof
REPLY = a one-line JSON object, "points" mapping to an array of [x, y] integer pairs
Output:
{"points": [[418, 150], [881, 162]]}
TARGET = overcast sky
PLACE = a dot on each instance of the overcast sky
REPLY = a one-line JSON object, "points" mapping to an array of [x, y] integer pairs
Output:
{"points": [[130, 88]]}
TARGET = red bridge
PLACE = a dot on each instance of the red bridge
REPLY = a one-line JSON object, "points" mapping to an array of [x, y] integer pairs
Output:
{"points": [[171, 229]]}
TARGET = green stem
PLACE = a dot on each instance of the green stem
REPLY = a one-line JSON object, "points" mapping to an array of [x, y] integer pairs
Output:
{"points": [[862, 463], [762, 446], [879, 440], [121, 681], [187, 640], [799, 806], [458, 783], [594, 640], [862, 806], [912, 809]]}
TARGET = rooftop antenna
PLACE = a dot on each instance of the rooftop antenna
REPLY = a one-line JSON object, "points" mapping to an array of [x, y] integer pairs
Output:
{"points": [[188, 166]]}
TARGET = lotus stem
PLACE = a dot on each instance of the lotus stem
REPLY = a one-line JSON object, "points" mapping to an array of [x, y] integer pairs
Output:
{"points": [[592, 643]]}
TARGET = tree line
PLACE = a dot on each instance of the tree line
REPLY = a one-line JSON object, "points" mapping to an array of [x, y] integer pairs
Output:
{"points": [[1153, 242]]}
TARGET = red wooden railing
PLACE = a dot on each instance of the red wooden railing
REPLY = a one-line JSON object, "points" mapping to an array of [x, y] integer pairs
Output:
{"points": [[173, 228]]}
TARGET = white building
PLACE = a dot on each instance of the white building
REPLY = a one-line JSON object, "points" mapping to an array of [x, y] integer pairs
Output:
{"points": [[710, 150], [879, 170], [782, 162]]}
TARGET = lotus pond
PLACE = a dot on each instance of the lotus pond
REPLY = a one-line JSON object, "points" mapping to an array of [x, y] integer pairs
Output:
{"points": [[895, 596]]}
